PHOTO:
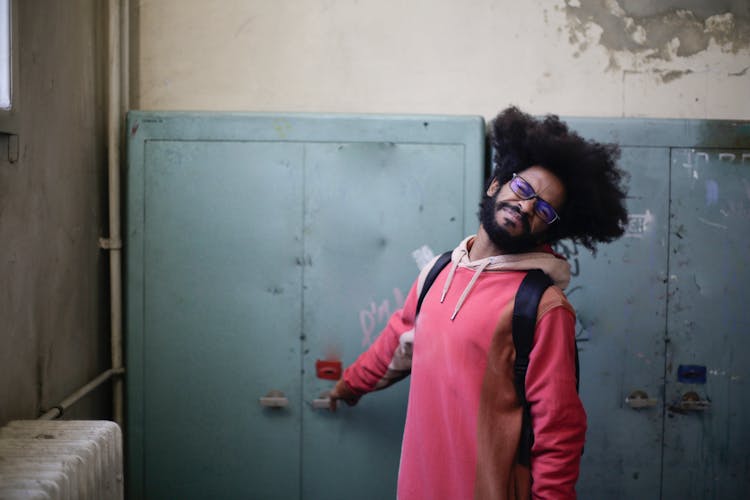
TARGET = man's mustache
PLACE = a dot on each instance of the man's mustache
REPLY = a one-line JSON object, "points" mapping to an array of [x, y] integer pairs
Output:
{"points": [[523, 216]]}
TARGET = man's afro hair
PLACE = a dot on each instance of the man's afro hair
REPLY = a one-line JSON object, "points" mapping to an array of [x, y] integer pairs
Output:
{"points": [[594, 210]]}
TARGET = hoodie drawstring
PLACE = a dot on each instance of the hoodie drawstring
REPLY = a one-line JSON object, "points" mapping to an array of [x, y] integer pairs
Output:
{"points": [[454, 266]]}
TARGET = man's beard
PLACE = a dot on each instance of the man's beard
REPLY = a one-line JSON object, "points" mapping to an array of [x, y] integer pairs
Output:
{"points": [[502, 239]]}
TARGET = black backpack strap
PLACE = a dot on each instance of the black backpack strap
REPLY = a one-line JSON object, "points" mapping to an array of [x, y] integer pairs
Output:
{"points": [[578, 371], [431, 275], [524, 323]]}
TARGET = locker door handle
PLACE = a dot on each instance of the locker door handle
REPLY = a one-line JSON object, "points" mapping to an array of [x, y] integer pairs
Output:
{"points": [[274, 399], [639, 399], [691, 401], [322, 403]]}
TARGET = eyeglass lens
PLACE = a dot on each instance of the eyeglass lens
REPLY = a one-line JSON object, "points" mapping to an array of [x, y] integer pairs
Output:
{"points": [[523, 189]]}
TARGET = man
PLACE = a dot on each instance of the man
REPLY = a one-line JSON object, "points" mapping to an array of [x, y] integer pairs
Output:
{"points": [[463, 421]]}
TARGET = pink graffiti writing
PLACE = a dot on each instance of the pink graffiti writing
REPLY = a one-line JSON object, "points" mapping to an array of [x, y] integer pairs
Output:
{"points": [[375, 316]]}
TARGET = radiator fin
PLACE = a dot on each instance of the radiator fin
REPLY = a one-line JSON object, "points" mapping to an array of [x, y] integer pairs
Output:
{"points": [[61, 459]]}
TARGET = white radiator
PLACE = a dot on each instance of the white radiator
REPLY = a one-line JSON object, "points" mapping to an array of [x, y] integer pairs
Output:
{"points": [[61, 459]]}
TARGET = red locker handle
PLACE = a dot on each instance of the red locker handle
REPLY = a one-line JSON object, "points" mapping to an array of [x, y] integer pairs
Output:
{"points": [[328, 370]]}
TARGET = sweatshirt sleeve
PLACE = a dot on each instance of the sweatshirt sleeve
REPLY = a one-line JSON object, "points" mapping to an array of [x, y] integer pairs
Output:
{"points": [[388, 359], [557, 415]]}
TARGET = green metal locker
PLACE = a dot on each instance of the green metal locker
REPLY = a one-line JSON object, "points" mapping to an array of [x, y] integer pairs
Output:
{"points": [[260, 244], [662, 317], [256, 246]]}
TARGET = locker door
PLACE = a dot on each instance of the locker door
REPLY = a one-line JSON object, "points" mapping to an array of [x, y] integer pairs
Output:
{"points": [[619, 296], [255, 244], [706, 433], [221, 292], [368, 207]]}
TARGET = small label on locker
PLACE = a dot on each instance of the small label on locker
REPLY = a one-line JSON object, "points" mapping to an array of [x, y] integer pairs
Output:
{"points": [[691, 374], [329, 370]]}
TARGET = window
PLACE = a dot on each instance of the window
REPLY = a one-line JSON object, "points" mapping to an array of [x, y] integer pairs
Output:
{"points": [[5, 55], [8, 68]]}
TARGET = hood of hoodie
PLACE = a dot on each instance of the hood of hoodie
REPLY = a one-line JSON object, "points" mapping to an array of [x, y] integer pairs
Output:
{"points": [[556, 267]]}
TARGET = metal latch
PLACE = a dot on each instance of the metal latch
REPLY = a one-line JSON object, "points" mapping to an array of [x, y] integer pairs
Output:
{"points": [[274, 399], [639, 400]]}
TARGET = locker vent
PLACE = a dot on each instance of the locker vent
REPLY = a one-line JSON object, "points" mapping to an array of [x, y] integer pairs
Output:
{"points": [[61, 459]]}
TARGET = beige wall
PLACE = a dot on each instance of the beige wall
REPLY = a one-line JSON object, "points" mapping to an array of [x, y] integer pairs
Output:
{"points": [[656, 58], [53, 300]]}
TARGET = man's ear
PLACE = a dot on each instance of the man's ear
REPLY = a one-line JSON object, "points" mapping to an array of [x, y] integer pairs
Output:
{"points": [[493, 188]]}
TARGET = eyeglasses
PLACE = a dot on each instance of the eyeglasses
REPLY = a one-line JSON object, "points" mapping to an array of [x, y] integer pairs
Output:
{"points": [[523, 190]]}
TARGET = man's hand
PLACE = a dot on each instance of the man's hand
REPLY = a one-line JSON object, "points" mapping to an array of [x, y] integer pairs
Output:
{"points": [[343, 392]]}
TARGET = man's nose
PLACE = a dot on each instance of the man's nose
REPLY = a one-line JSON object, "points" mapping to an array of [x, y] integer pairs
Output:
{"points": [[527, 206]]}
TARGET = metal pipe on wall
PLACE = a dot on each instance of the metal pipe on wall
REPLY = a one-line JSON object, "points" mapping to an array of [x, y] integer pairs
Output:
{"points": [[124, 63], [58, 410], [114, 134]]}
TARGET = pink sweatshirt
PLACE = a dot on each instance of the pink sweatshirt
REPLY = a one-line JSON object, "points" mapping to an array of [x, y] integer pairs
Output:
{"points": [[463, 415]]}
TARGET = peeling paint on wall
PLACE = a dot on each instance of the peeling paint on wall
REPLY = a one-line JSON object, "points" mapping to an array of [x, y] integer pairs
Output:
{"points": [[660, 30], [674, 75]]}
